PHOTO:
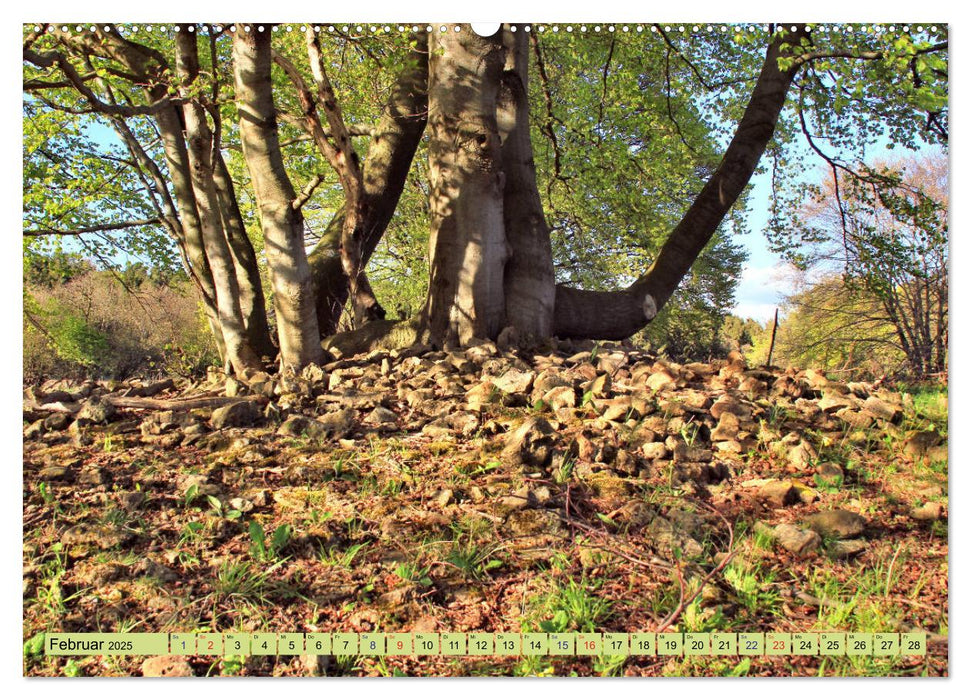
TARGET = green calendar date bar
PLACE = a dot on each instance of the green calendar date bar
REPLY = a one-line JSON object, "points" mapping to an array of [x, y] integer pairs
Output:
{"points": [[108, 644]]}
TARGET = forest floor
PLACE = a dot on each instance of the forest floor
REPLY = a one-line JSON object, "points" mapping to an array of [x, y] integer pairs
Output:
{"points": [[594, 488]]}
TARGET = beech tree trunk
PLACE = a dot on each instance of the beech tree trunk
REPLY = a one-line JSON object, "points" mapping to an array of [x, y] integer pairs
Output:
{"points": [[385, 170], [252, 303], [467, 241], [529, 282], [293, 294], [239, 353]]}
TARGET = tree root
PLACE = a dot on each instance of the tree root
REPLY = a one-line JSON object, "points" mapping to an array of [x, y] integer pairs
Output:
{"points": [[377, 335]]}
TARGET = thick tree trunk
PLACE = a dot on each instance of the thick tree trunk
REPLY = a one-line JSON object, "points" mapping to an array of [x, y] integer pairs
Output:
{"points": [[529, 280], [199, 138], [293, 294], [467, 240], [616, 315], [390, 153]]}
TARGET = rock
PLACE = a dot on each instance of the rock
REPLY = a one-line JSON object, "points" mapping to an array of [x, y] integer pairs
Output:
{"points": [[95, 410], [751, 385], [34, 430], [796, 540], [236, 415], [519, 500], [561, 397], [920, 443], [801, 455], [79, 434], [841, 524], [131, 500], [57, 421], [883, 409], [846, 549], [481, 395], [856, 419], [654, 450], [338, 423], [601, 386], [55, 472], [617, 410], [530, 445], [514, 381], [779, 494], [166, 667], [929, 512], [382, 416], [726, 404], [727, 428], [662, 380], [314, 374], [443, 497], [104, 536], [234, 387], [165, 421], [300, 426], [830, 474]]}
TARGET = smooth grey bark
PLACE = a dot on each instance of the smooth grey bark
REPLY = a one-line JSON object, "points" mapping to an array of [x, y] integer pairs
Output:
{"points": [[200, 145], [293, 293], [467, 239], [620, 314], [251, 300], [529, 283]]}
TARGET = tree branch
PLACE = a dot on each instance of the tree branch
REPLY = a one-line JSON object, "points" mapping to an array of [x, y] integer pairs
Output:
{"points": [[94, 229]]}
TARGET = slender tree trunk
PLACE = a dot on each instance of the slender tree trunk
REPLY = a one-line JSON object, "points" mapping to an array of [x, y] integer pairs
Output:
{"points": [[530, 287], [618, 315], [293, 294], [467, 241], [251, 300], [200, 142], [390, 153]]}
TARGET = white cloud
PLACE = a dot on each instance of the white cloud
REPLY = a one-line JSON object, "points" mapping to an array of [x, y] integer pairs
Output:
{"points": [[762, 289]]}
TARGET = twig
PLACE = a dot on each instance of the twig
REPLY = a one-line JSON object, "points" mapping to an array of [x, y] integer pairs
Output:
{"points": [[685, 602]]}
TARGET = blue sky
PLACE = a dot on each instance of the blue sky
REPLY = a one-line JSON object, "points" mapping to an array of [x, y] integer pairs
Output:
{"points": [[764, 283]]}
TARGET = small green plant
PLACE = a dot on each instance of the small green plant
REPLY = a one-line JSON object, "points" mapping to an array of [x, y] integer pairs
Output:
{"points": [[231, 665], [49, 499], [689, 432], [564, 472], [263, 550], [575, 606], [472, 560], [240, 579], [190, 495], [335, 557], [413, 573], [221, 511], [191, 533]]}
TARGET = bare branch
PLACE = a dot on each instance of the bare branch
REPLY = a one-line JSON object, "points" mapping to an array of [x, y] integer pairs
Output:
{"points": [[94, 229]]}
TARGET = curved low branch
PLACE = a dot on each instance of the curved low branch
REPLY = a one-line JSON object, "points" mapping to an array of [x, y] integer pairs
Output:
{"points": [[613, 315]]}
